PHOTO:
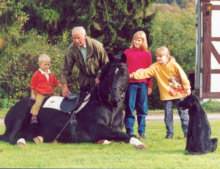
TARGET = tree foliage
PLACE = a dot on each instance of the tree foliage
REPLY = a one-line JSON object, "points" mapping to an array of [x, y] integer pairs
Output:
{"points": [[113, 22], [181, 3], [177, 31]]}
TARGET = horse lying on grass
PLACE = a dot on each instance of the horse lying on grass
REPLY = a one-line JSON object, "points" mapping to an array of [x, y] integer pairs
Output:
{"points": [[100, 119], [199, 131]]}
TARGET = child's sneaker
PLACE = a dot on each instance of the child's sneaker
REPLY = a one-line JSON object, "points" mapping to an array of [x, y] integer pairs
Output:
{"points": [[34, 119]]}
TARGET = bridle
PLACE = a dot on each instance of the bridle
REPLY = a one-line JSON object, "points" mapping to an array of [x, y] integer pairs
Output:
{"points": [[122, 87]]}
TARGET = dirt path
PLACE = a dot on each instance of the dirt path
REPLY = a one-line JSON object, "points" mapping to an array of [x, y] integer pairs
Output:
{"points": [[150, 118]]}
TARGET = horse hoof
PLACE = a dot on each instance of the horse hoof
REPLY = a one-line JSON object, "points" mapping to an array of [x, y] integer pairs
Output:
{"points": [[55, 142], [106, 142], [38, 139], [21, 142], [141, 147], [103, 142]]}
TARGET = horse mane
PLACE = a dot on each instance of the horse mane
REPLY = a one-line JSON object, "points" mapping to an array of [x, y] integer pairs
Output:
{"points": [[105, 70]]}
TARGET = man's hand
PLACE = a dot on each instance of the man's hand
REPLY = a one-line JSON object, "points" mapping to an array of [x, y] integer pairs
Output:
{"points": [[65, 90], [97, 81]]}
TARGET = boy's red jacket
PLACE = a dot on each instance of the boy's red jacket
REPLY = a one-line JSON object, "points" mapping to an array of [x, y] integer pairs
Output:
{"points": [[41, 85]]}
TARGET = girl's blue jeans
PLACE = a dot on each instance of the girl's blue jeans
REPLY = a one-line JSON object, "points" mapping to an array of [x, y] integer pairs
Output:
{"points": [[136, 98]]}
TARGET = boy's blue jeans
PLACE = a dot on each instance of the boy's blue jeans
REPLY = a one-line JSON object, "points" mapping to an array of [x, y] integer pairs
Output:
{"points": [[136, 97], [168, 108]]}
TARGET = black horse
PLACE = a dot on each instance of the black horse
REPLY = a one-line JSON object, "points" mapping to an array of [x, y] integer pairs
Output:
{"points": [[100, 119]]}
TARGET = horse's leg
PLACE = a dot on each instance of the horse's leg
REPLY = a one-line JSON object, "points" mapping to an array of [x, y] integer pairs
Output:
{"points": [[103, 132], [21, 142], [118, 121], [38, 139], [13, 136], [27, 133]]}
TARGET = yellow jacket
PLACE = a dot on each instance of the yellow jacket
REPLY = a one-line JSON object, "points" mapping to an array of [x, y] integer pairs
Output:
{"points": [[164, 74]]}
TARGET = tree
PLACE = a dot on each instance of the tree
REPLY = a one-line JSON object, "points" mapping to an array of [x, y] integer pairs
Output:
{"points": [[177, 31], [113, 22]]}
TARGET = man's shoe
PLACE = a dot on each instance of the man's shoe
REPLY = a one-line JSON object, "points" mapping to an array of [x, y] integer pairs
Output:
{"points": [[168, 136], [142, 137]]}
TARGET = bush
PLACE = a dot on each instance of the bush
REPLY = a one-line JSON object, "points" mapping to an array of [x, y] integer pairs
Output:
{"points": [[211, 105]]}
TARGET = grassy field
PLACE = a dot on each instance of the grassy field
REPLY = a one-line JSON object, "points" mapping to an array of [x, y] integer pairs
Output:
{"points": [[160, 153]]}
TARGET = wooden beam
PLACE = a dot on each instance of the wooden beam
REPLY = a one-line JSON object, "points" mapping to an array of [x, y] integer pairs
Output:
{"points": [[205, 0], [216, 7], [215, 53], [215, 71], [211, 95]]}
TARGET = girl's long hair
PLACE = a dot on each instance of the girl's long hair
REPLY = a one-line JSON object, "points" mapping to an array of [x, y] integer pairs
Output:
{"points": [[140, 35]]}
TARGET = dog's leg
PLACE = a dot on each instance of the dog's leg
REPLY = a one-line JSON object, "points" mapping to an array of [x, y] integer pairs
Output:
{"points": [[214, 143]]}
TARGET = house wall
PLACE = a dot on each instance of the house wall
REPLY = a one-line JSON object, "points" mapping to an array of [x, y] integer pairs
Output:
{"points": [[215, 32], [207, 73]]}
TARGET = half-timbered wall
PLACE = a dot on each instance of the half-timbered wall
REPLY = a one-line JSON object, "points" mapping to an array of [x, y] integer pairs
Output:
{"points": [[210, 50]]}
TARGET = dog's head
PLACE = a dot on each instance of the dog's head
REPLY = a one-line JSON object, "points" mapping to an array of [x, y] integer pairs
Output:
{"points": [[188, 102]]}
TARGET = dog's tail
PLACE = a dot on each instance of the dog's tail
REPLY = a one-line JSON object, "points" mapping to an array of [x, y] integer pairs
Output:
{"points": [[214, 144]]}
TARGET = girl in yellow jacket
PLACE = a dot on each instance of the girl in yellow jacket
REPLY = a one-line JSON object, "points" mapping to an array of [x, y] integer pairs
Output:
{"points": [[173, 86]]}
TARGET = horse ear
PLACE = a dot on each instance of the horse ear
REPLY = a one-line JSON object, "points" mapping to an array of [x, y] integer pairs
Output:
{"points": [[105, 70], [110, 57], [123, 58]]}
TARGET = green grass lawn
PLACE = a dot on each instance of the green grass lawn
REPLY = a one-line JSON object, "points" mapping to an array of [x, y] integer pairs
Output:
{"points": [[160, 153]]}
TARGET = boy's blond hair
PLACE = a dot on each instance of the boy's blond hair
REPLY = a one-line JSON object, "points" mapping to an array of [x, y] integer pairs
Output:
{"points": [[162, 49], [43, 58], [140, 35]]}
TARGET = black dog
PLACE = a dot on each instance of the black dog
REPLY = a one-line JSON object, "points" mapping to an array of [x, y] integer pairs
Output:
{"points": [[199, 131]]}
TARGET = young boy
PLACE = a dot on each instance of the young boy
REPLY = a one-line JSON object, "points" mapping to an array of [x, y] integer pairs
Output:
{"points": [[173, 86], [42, 84]]}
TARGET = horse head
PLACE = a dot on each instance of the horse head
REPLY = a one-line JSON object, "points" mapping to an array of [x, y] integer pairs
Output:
{"points": [[116, 79]]}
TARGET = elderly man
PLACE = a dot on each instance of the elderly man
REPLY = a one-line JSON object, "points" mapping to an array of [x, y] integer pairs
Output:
{"points": [[89, 56]]}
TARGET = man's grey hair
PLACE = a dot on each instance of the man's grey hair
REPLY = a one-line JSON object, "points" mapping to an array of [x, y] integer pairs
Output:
{"points": [[79, 29]]}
